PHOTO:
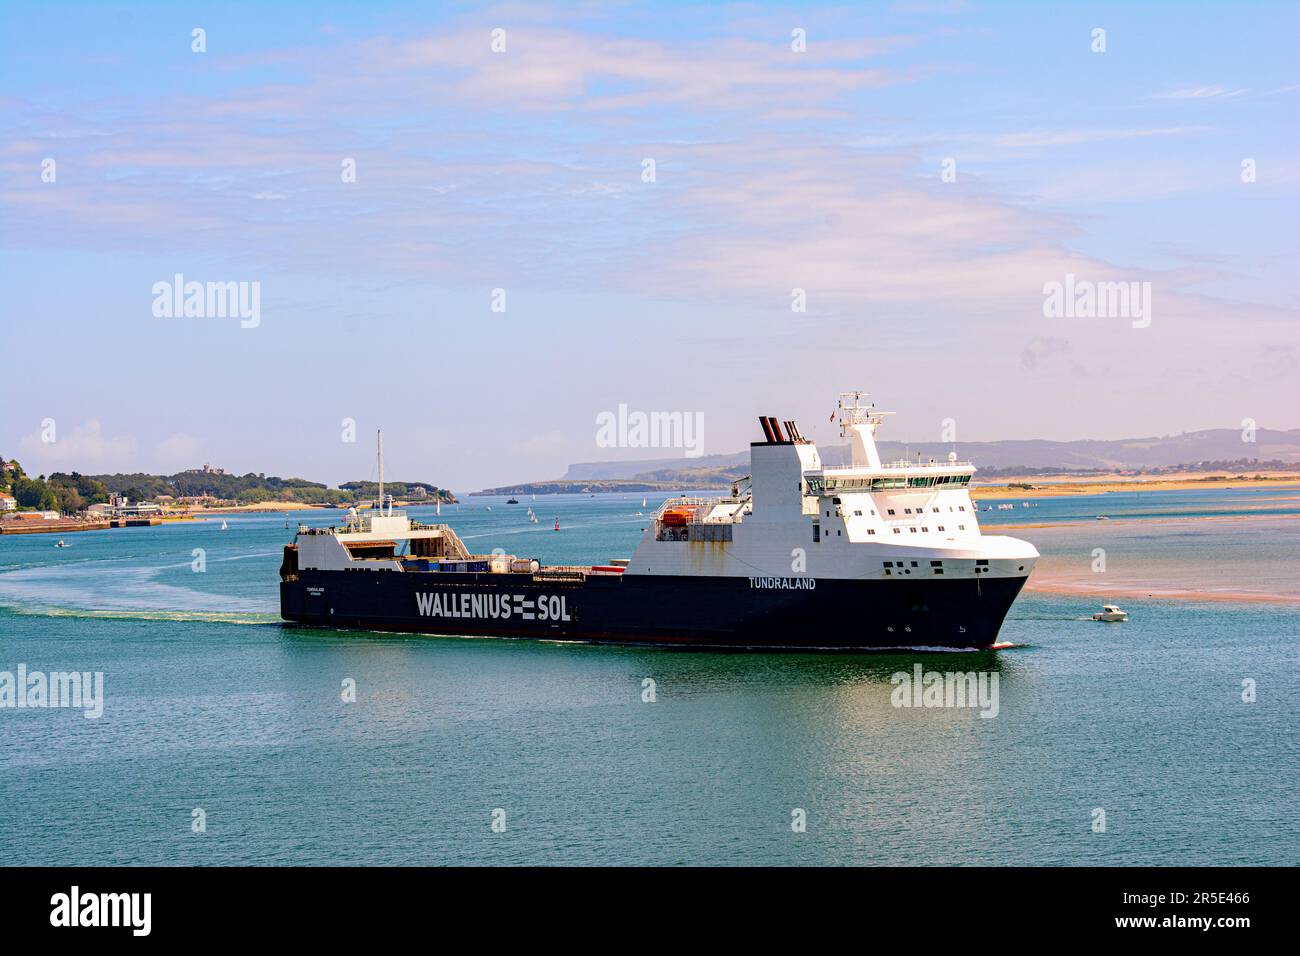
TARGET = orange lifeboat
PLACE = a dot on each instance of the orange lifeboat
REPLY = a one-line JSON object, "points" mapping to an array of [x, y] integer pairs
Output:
{"points": [[677, 517]]}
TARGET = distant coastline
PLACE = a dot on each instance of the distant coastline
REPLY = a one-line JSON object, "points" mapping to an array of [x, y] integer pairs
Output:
{"points": [[1008, 486], [1047, 486]]}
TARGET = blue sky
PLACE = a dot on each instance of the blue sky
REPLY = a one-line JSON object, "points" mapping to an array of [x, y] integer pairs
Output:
{"points": [[522, 170]]}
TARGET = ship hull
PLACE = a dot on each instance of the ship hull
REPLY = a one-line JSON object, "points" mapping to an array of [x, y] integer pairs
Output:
{"points": [[684, 611]]}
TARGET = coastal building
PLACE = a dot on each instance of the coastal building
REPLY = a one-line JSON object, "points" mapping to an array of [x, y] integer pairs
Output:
{"points": [[8, 502], [119, 506]]}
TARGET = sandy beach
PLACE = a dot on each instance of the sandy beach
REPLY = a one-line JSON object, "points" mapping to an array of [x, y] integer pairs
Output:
{"points": [[1237, 558], [1109, 592], [1046, 486]]}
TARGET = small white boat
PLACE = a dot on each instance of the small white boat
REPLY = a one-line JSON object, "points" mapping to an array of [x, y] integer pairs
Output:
{"points": [[1110, 614], [642, 502], [224, 526], [1103, 518], [61, 544]]}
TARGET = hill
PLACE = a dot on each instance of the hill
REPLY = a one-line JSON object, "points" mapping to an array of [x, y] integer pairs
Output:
{"points": [[1210, 449]]}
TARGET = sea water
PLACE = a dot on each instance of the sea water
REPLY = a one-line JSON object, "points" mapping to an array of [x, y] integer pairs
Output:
{"points": [[226, 739]]}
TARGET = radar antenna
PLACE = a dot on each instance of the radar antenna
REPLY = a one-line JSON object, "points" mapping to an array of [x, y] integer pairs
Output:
{"points": [[852, 412]]}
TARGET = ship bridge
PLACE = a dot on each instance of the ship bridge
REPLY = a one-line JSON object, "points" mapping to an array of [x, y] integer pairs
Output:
{"points": [[895, 476]]}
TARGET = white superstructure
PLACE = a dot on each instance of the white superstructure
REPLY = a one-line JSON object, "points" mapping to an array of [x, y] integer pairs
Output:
{"points": [[871, 520]]}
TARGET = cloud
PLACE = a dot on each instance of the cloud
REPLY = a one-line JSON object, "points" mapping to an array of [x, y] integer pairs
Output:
{"points": [[1199, 93], [1040, 349], [758, 190], [84, 449], [179, 450]]}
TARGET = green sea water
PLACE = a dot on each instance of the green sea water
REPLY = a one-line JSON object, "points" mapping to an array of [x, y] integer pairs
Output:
{"points": [[210, 704]]}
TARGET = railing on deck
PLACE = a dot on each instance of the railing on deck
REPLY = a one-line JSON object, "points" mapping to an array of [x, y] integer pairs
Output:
{"points": [[701, 524]]}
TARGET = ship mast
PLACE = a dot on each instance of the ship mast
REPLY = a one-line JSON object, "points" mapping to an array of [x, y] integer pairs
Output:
{"points": [[381, 470], [858, 423]]}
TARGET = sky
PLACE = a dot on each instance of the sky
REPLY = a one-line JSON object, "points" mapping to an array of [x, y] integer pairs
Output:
{"points": [[716, 210]]}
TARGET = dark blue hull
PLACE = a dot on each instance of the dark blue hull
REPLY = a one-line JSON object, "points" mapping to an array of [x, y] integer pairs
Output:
{"points": [[714, 612]]}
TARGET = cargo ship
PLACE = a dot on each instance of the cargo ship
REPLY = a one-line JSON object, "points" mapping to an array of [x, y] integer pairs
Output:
{"points": [[799, 556]]}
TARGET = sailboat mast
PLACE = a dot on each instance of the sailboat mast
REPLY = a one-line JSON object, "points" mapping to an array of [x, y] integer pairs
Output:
{"points": [[381, 471]]}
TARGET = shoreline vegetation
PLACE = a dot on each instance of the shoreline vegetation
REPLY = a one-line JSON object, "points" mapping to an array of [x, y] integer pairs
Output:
{"points": [[70, 502]]}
